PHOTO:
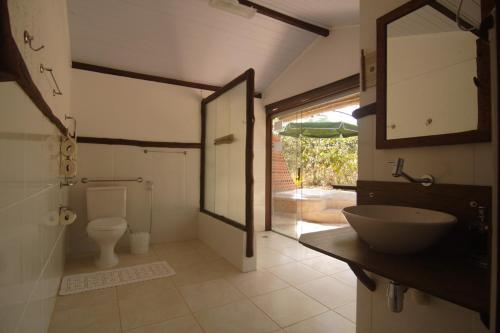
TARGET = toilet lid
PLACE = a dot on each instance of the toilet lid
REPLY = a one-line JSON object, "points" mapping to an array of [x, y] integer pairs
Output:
{"points": [[107, 223]]}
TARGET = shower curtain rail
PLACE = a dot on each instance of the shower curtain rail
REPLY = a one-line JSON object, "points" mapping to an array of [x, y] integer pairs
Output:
{"points": [[138, 179]]}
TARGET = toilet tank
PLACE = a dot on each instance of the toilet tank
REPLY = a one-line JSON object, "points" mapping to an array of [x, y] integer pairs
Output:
{"points": [[106, 201]]}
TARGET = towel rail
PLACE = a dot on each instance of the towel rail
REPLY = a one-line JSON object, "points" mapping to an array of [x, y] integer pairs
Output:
{"points": [[86, 180]]}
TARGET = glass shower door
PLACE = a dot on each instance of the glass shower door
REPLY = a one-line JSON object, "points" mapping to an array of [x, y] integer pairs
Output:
{"points": [[286, 175]]}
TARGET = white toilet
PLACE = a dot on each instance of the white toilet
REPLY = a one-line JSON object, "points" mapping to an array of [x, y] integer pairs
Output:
{"points": [[106, 211]]}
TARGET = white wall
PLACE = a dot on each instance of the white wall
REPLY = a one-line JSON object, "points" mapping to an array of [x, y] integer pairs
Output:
{"points": [[175, 176], [47, 21], [31, 248], [458, 164], [228, 241], [31, 244], [117, 107], [326, 60]]}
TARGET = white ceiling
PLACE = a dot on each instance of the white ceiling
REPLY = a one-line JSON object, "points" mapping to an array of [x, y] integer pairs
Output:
{"points": [[189, 40], [425, 20], [428, 20], [326, 13]]}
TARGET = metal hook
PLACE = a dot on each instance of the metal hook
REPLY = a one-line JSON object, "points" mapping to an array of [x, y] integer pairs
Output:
{"points": [[28, 39], [48, 69], [66, 117]]}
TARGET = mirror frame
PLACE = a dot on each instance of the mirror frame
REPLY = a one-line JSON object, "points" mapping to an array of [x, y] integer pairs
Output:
{"points": [[481, 134]]}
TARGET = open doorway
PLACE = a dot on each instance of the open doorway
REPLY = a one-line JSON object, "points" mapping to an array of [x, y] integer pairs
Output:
{"points": [[314, 166]]}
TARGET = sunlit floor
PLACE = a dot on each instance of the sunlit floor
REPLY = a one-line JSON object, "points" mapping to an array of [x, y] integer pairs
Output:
{"points": [[290, 227], [294, 289]]}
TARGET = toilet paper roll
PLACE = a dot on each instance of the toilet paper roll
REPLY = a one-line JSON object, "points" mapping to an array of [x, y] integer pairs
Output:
{"points": [[66, 216], [68, 168], [68, 148], [51, 218]]}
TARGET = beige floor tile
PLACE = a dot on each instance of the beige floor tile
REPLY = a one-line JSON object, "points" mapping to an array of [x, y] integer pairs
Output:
{"points": [[241, 317], [346, 277], [329, 291], [149, 302], [172, 247], [209, 270], [184, 260], [326, 265], [300, 252], [205, 250], [328, 322], [129, 259], [348, 311], [210, 294], [295, 273], [87, 264], [178, 325], [268, 258], [257, 283], [288, 306], [93, 311]]}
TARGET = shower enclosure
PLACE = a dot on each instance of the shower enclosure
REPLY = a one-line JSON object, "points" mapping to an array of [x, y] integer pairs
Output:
{"points": [[226, 192]]}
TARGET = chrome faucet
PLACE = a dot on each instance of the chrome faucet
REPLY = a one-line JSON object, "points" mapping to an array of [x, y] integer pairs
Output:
{"points": [[425, 180]]}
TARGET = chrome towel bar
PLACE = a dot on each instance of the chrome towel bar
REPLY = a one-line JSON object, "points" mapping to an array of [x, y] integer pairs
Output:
{"points": [[138, 179]]}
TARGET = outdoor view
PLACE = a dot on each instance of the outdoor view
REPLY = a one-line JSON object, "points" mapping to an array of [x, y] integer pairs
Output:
{"points": [[314, 151]]}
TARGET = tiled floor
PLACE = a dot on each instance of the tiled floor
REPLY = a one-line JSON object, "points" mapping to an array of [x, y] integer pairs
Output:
{"points": [[294, 290]]}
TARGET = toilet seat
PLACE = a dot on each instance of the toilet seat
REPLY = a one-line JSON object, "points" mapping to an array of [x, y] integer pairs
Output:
{"points": [[107, 223]]}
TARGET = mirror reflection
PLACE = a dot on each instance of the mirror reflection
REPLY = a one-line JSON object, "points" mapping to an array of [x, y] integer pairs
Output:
{"points": [[431, 70]]}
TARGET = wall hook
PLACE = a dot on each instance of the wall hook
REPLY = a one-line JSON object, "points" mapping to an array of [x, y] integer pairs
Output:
{"points": [[56, 91], [28, 39]]}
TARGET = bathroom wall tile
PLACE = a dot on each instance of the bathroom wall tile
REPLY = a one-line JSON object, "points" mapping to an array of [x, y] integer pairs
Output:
{"points": [[33, 318], [13, 294], [29, 191], [366, 147], [448, 164], [131, 162], [31, 254], [11, 168], [484, 166], [95, 161]]}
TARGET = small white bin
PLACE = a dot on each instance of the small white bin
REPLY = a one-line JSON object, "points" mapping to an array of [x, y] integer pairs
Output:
{"points": [[139, 242]]}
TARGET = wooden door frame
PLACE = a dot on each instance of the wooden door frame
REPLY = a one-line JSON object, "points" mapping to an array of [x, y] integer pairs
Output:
{"points": [[330, 90]]}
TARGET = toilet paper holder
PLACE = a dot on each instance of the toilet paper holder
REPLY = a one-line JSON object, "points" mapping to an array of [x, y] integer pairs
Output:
{"points": [[66, 215]]}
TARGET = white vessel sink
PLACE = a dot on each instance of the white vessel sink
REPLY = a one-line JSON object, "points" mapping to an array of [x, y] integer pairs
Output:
{"points": [[397, 229]]}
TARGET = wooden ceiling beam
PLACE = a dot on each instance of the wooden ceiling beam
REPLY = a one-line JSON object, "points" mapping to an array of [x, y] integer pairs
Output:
{"points": [[286, 19], [146, 77]]}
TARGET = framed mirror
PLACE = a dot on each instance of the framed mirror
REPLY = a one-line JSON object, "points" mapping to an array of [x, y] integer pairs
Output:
{"points": [[433, 80]]}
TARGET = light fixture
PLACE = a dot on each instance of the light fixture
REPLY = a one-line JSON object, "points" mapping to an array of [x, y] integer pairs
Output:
{"points": [[233, 7]]}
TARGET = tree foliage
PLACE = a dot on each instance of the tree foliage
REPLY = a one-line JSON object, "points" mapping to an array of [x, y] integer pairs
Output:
{"points": [[324, 162]]}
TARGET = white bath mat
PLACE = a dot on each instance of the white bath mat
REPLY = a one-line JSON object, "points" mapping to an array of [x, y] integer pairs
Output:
{"points": [[73, 284]]}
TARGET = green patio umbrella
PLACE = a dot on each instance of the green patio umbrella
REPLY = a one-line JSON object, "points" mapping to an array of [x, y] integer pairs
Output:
{"points": [[320, 129]]}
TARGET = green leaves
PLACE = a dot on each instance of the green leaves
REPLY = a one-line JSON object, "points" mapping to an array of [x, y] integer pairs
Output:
{"points": [[324, 162]]}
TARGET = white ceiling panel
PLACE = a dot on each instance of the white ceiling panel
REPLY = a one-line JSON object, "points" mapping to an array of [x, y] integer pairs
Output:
{"points": [[186, 39], [326, 13]]}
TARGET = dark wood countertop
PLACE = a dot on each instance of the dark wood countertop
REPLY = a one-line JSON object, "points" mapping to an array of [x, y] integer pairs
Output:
{"points": [[449, 277]]}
